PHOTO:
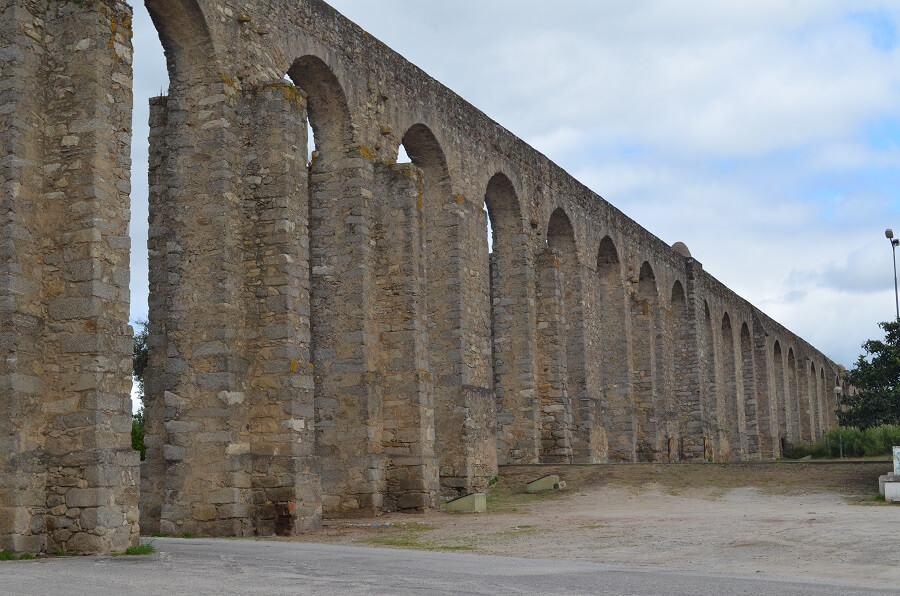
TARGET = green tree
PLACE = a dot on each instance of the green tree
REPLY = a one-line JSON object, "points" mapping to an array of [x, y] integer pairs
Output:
{"points": [[140, 356], [876, 378]]}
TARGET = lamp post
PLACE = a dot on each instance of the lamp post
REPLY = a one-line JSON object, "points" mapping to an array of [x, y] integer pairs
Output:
{"points": [[838, 392], [889, 234]]}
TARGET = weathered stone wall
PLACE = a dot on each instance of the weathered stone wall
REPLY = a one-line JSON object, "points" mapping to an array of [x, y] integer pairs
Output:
{"points": [[68, 476], [334, 338]]}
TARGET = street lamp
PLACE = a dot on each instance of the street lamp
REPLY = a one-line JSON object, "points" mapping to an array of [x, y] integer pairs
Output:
{"points": [[889, 234], [838, 391]]}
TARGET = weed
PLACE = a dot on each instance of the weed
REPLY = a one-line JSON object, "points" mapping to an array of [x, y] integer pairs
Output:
{"points": [[8, 555], [141, 549], [157, 535], [188, 535]]}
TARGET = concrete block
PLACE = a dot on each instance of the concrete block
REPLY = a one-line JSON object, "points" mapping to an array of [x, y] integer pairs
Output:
{"points": [[474, 503], [892, 491], [543, 484]]}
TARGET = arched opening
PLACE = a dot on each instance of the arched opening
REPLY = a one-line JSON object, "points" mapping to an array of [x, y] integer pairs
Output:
{"points": [[511, 296], [748, 378], [687, 395], [780, 400], [792, 405], [615, 397], [711, 386], [644, 321], [728, 406]]}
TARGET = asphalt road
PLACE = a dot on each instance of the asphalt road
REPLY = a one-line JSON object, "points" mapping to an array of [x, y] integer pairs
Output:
{"points": [[225, 567]]}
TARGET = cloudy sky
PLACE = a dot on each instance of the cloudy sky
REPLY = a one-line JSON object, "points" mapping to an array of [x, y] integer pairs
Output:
{"points": [[763, 133]]}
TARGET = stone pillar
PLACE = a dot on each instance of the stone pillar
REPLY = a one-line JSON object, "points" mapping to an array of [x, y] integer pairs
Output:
{"points": [[590, 440], [23, 471], [689, 367], [587, 435], [805, 431], [164, 255], [348, 407], [748, 375], [465, 403], [556, 407], [197, 318], [513, 313], [70, 481], [765, 397], [411, 469], [273, 452]]}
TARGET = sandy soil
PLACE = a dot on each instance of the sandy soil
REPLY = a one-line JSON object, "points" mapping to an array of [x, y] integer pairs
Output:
{"points": [[797, 522]]}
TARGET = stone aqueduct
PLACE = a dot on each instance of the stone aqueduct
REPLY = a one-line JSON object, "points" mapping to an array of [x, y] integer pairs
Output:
{"points": [[329, 338]]}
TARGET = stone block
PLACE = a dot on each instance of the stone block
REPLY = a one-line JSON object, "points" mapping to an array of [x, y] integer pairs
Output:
{"points": [[224, 496], [87, 497], [204, 512]]}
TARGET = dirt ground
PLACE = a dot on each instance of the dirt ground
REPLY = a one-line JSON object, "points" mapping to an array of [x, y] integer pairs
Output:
{"points": [[803, 521]]}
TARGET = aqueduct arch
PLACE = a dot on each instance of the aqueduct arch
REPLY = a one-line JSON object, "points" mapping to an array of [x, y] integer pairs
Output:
{"points": [[327, 338]]}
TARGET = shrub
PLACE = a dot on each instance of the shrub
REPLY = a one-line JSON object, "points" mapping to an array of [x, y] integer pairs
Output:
{"points": [[871, 442]]}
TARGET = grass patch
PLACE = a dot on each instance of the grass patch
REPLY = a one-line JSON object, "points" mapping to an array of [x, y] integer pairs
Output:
{"points": [[188, 535], [140, 549], [157, 535], [8, 555], [501, 498]]}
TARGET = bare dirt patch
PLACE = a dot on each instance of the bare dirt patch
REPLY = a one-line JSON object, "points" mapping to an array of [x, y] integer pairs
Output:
{"points": [[793, 521]]}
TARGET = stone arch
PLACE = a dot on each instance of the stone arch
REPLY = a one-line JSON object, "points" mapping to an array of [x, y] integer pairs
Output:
{"points": [[646, 364], [792, 403], [729, 406], [186, 41], [688, 421], [748, 378], [327, 108], [616, 396], [780, 397], [511, 281], [710, 385]]}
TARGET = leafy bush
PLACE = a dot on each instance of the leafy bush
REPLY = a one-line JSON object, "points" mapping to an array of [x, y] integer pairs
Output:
{"points": [[871, 442]]}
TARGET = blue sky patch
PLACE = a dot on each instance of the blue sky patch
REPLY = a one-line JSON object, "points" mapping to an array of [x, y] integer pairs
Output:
{"points": [[881, 27]]}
